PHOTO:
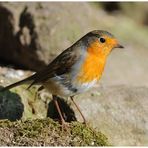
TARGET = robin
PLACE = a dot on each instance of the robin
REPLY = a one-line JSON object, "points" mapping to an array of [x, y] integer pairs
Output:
{"points": [[76, 69]]}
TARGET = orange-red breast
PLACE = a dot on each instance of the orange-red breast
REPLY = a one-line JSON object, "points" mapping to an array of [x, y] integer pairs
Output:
{"points": [[76, 69]]}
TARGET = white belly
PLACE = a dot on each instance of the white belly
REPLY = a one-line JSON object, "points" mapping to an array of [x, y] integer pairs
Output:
{"points": [[85, 86], [57, 86]]}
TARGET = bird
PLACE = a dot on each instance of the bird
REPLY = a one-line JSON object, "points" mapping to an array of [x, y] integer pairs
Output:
{"points": [[76, 70]]}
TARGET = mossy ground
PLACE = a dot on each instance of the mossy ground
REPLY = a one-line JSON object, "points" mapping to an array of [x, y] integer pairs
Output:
{"points": [[46, 132], [41, 132]]}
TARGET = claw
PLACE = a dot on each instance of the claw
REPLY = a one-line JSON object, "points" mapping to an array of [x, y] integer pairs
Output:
{"points": [[65, 126]]}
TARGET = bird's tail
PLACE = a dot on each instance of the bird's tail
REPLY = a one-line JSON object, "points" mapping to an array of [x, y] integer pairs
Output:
{"points": [[24, 81]]}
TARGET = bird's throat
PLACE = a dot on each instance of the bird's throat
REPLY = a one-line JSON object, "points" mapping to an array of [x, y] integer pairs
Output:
{"points": [[92, 68]]}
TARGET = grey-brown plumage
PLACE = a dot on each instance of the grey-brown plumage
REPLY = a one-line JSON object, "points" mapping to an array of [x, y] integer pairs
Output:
{"points": [[76, 69], [63, 63]]}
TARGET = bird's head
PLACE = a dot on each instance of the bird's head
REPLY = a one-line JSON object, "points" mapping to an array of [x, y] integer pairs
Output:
{"points": [[101, 42]]}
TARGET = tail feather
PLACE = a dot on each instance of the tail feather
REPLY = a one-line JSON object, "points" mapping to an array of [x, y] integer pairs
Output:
{"points": [[24, 81]]}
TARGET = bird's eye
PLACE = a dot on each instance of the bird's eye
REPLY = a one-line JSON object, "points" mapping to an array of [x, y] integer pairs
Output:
{"points": [[102, 40]]}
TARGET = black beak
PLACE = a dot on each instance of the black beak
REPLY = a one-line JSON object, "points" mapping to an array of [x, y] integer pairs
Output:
{"points": [[119, 46]]}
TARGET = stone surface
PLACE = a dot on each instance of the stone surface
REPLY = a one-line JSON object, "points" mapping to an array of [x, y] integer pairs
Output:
{"points": [[19, 48], [119, 111], [11, 106]]}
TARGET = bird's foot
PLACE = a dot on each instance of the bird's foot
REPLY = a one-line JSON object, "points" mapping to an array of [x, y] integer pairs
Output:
{"points": [[64, 125], [84, 122]]}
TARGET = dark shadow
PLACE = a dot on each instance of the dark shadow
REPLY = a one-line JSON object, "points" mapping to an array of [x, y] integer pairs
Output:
{"points": [[68, 112], [7, 41], [111, 7], [11, 106], [19, 49], [27, 21], [145, 19]]}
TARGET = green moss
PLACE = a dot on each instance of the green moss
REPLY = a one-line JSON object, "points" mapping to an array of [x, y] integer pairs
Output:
{"points": [[34, 128], [5, 123], [29, 128], [35, 132], [87, 135]]}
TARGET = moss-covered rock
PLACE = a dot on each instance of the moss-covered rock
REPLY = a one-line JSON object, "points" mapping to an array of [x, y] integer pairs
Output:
{"points": [[47, 132]]}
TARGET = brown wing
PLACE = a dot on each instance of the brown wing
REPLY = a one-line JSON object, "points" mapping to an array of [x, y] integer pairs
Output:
{"points": [[60, 65]]}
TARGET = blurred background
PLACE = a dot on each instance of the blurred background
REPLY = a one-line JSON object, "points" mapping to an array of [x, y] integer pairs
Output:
{"points": [[33, 33]]}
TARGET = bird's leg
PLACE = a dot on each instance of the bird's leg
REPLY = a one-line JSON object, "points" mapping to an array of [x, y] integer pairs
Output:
{"points": [[84, 120], [59, 111]]}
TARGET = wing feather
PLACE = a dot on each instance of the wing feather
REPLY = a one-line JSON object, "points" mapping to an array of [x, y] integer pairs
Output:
{"points": [[61, 65]]}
